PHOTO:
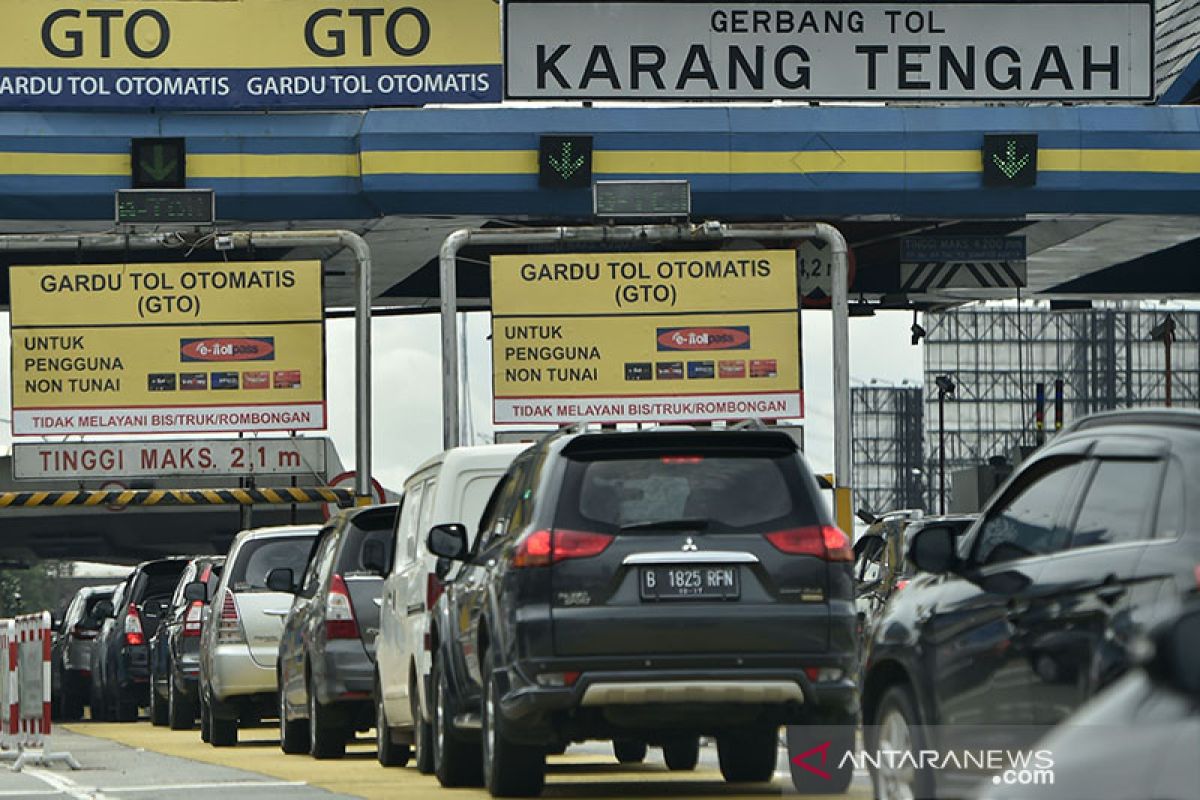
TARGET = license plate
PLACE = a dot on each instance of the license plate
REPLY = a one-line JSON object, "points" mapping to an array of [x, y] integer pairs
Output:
{"points": [[690, 583]]}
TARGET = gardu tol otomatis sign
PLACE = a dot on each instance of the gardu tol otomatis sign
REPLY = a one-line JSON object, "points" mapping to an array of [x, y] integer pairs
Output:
{"points": [[167, 348], [922, 51], [646, 337], [247, 54]]}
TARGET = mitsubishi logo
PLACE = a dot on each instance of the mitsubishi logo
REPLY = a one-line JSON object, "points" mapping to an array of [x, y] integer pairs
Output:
{"points": [[689, 545]]}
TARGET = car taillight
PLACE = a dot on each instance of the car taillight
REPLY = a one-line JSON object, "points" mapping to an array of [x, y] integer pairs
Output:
{"points": [[80, 632], [339, 613], [433, 590], [133, 626], [543, 548], [822, 541], [901, 584], [229, 625], [193, 619]]}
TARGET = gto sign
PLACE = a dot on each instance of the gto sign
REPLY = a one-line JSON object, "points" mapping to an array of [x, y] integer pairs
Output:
{"points": [[923, 51]]}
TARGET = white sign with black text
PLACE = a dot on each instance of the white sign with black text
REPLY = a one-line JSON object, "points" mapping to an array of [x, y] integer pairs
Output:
{"points": [[924, 51], [161, 459]]}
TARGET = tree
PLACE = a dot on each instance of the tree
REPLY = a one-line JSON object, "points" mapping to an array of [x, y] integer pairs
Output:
{"points": [[39, 588]]}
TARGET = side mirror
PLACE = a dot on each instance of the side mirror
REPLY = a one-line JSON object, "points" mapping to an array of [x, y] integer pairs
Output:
{"points": [[103, 609], [448, 541], [281, 579], [1176, 660], [56, 621], [195, 591], [374, 557], [932, 550]]}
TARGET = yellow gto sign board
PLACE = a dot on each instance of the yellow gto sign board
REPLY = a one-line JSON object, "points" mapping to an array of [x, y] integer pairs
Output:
{"points": [[247, 54], [646, 337], [167, 348]]}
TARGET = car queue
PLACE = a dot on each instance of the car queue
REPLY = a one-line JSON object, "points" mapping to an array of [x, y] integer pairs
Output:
{"points": [[654, 588]]}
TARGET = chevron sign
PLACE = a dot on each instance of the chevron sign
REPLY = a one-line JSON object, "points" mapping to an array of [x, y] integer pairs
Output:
{"points": [[930, 276]]}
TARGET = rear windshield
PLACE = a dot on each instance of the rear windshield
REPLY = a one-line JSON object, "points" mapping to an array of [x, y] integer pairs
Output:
{"points": [[258, 557], [728, 493], [356, 540], [158, 581]]}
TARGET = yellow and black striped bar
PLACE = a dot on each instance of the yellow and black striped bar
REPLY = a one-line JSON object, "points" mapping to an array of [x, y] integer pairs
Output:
{"points": [[179, 497]]}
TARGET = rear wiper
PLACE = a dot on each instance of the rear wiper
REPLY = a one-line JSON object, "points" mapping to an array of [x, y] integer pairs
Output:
{"points": [[694, 524]]}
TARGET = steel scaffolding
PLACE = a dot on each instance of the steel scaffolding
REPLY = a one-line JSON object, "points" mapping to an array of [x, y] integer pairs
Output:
{"points": [[996, 356], [887, 455]]}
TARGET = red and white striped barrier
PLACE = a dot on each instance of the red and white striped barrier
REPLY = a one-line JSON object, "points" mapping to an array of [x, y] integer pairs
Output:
{"points": [[9, 715], [33, 678], [25, 650]]}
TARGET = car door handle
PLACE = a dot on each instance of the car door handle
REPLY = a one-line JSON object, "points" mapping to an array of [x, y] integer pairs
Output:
{"points": [[1110, 593], [275, 612]]}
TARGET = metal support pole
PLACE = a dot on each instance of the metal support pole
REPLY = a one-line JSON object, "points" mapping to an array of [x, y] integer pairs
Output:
{"points": [[1167, 363], [246, 239], [684, 234], [942, 453]]}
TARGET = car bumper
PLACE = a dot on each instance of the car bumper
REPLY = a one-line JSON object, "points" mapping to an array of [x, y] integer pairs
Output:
{"points": [[704, 698], [346, 672], [235, 674]]}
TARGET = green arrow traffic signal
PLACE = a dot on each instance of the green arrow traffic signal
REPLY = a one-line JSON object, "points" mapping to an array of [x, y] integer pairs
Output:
{"points": [[159, 163]]}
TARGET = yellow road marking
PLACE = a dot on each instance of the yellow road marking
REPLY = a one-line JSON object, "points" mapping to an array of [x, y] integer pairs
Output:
{"points": [[359, 774]]}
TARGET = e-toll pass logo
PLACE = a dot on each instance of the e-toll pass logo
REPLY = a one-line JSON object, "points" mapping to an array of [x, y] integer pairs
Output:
{"points": [[731, 338], [256, 349]]}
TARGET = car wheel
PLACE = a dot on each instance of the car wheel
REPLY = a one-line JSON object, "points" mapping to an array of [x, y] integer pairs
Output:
{"points": [[422, 732], [222, 732], [749, 756], [326, 731], [293, 733], [629, 751], [72, 701], [682, 754], [455, 762], [205, 719], [387, 751], [898, 728], [181, 714], [509, 769], [124, 710], [158, 708]]}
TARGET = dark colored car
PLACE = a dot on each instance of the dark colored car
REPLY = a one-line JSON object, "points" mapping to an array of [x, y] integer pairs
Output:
{"points": [[327, 650], [1031, 611], [121, 656], [71, 658], [175, 646], [647, 588], [1138, 738]]}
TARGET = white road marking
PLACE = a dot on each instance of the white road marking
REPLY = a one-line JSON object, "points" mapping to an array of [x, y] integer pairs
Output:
{"points": [[180, 787], [63, 785]]}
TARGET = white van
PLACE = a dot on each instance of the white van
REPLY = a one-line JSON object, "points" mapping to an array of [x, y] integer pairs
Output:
{"points": [[451, 487]]}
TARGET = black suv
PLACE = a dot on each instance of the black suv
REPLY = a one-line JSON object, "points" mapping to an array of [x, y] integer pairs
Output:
{"points": [[121, 655], [1023, 617], [648, 588]]}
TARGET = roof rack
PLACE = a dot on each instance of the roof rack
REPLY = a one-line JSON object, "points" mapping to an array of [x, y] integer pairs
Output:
{"points": [[1137, 416]]}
